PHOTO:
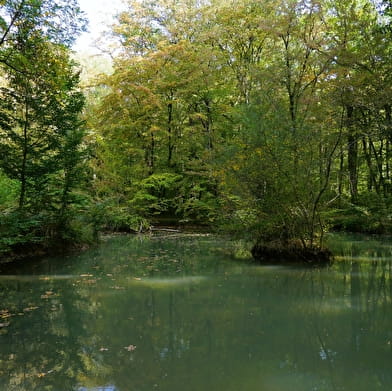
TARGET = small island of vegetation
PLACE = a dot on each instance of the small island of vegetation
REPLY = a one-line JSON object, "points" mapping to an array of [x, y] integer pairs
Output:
{"points": [[270, 120]]}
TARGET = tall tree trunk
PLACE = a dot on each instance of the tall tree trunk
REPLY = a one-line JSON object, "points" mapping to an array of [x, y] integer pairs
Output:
{"points": [[341, 173], [23, 180], [378, 159], [207, 124], [152, 154], [388, 119], [352, 155], [372, 181], [170, 130], [23, 177]]}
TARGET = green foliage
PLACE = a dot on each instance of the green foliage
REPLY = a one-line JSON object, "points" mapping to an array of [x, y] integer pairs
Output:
{"points": [[9, 190], [109, 216], [157, 194], [172, 195], [256, 119], [60, 21], [42, 152], [19, 229], [273, 124], [372, 215]]}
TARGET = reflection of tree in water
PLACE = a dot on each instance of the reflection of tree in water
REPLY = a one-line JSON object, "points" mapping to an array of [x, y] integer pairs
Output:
{"points": [[355, 342], [104, 388], [297, 324], [43, 340], [243, 328]]}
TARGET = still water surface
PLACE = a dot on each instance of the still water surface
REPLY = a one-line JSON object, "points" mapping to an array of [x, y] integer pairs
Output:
{"points": [[180, 313]]}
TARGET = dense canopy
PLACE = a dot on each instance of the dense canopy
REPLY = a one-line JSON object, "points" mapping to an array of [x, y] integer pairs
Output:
{"points": [[270, 118]]}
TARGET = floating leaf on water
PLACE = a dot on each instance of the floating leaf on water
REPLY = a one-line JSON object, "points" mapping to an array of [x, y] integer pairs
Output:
{"points": [[28, 309], [43, 374], [4, 314], [47, 295], [92, 281]]}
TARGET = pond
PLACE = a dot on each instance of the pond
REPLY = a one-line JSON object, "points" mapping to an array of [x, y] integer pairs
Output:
{"points": [[182, 313]]}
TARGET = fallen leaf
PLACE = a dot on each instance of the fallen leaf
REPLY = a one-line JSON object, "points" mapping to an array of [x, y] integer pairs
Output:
{"points": [[92, 281], [103, 349], [43, 374], [47, 295], [4, 314], [30, 309], [130, 348]]}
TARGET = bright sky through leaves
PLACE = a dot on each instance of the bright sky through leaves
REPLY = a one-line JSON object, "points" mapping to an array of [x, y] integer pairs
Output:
{"points": [[100, 14]]}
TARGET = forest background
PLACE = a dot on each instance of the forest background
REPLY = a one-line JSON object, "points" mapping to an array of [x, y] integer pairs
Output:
{"points": [[271, 120]]}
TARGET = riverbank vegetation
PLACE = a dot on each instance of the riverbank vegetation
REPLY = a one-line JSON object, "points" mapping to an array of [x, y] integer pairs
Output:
{"points": [[270, 119]]}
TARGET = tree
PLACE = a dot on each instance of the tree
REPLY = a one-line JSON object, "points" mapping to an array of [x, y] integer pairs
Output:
{"points": [[165, 104], [39, 105], [40, 128], [60, 21], [282, 105]]}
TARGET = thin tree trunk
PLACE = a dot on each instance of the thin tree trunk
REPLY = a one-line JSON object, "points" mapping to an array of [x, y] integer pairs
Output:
{"points": [[23, 177], [152, 154], [352, 155], [340, 175], [372, 181], [170, 130], [381, 182]]}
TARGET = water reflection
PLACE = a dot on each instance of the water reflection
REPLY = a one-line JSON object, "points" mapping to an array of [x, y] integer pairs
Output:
{"points": [[174, 315], [104, 388]]}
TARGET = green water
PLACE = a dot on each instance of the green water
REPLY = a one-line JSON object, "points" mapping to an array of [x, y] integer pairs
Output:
{"points": [[180, 313]]}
